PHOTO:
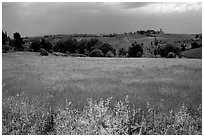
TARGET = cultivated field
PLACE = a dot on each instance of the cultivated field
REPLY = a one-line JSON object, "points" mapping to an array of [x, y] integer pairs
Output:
{"points": [[166, 83]]}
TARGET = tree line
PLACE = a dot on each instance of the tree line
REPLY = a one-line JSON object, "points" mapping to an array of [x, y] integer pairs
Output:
{"points": [[89, 47]]}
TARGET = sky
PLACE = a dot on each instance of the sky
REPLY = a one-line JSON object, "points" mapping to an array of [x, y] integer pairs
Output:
{"points": [[37, 18]]}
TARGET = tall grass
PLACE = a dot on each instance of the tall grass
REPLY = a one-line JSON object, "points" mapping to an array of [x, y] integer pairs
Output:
{"points": [[28, 116]]}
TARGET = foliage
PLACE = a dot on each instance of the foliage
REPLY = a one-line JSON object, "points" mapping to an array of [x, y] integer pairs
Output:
{"points": [[82, 46], [18, 41], [5, 38], [109, 54], [35, 46], [93, 43], [67, 45], [195, 45], [165, 49], [96, 53], [105, 48], [135, 50], [171, 55], [23, 116], [45, 45], [5, 48], [43, 52], [183, 47], [122, 52]]}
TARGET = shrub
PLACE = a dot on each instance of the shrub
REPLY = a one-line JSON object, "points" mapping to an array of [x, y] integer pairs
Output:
{"points": [[67, 45], [92, 43], [45, 45], [109, 54], [183, 47], [171, 55], [43, 52], [135, 50], [165, 49], [96, 53], [122, 52], [82, 46], [105, 48], [23, 116], [18, 41], [195, 45], [35, 46], [5, 48]]}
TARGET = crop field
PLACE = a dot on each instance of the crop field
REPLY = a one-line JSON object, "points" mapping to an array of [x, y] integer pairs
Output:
{"points": [[166, 83]]}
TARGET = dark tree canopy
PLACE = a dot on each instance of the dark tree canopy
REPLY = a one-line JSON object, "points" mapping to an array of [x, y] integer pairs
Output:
{"points": [[122, 52], [93, 43], [96, 53], [18, 41], [135, 50], [105, 48], [165, 49], [82, 46], [195, 45], [69, 45]]}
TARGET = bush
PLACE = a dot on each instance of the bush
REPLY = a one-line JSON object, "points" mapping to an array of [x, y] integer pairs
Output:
{"points": [[45, 45], [93, 43], [195, 45], [135, 50], [171, 55], [43, 52], [183, 47], [35, 46], [5, 48], [18, 41], [110, 54], [122, 52], [165, 49], [23, 116], [67, 45], [105, 48], [96, 53], [82, 46]]}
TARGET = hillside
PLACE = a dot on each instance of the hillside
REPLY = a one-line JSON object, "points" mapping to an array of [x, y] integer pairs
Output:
{"points": [[193, 53], [125, 40]]}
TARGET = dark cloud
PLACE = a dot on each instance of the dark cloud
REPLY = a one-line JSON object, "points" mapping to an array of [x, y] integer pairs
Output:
{"points": [[31, 19]]}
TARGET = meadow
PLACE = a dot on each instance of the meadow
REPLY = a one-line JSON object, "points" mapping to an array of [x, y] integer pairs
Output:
{"points": [[174, 81], [165, 84]]}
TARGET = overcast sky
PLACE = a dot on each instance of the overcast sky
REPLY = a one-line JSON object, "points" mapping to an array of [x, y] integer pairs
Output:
{"points": [[33, 19]]}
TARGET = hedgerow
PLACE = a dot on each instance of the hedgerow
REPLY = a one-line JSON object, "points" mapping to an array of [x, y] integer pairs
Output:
{"points": [[24, 116]]}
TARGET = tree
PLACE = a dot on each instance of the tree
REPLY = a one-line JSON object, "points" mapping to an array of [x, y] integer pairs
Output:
{"points": [[122, 52], [135, 50], [82, 46], [93, 43], [183, 47], [4, 38], [35, 46], [43, 52], [105, 48], [18, 41], [45, 45], [96, 53], [165, 49], [67, 45], [195, 45], [110, 54]]}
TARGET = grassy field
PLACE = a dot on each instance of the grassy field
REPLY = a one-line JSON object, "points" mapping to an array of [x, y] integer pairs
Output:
{"points": [[166, 83]]}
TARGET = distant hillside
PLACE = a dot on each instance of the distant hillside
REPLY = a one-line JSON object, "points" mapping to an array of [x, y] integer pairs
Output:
{"points": [[125, 40], [193, 53]]}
